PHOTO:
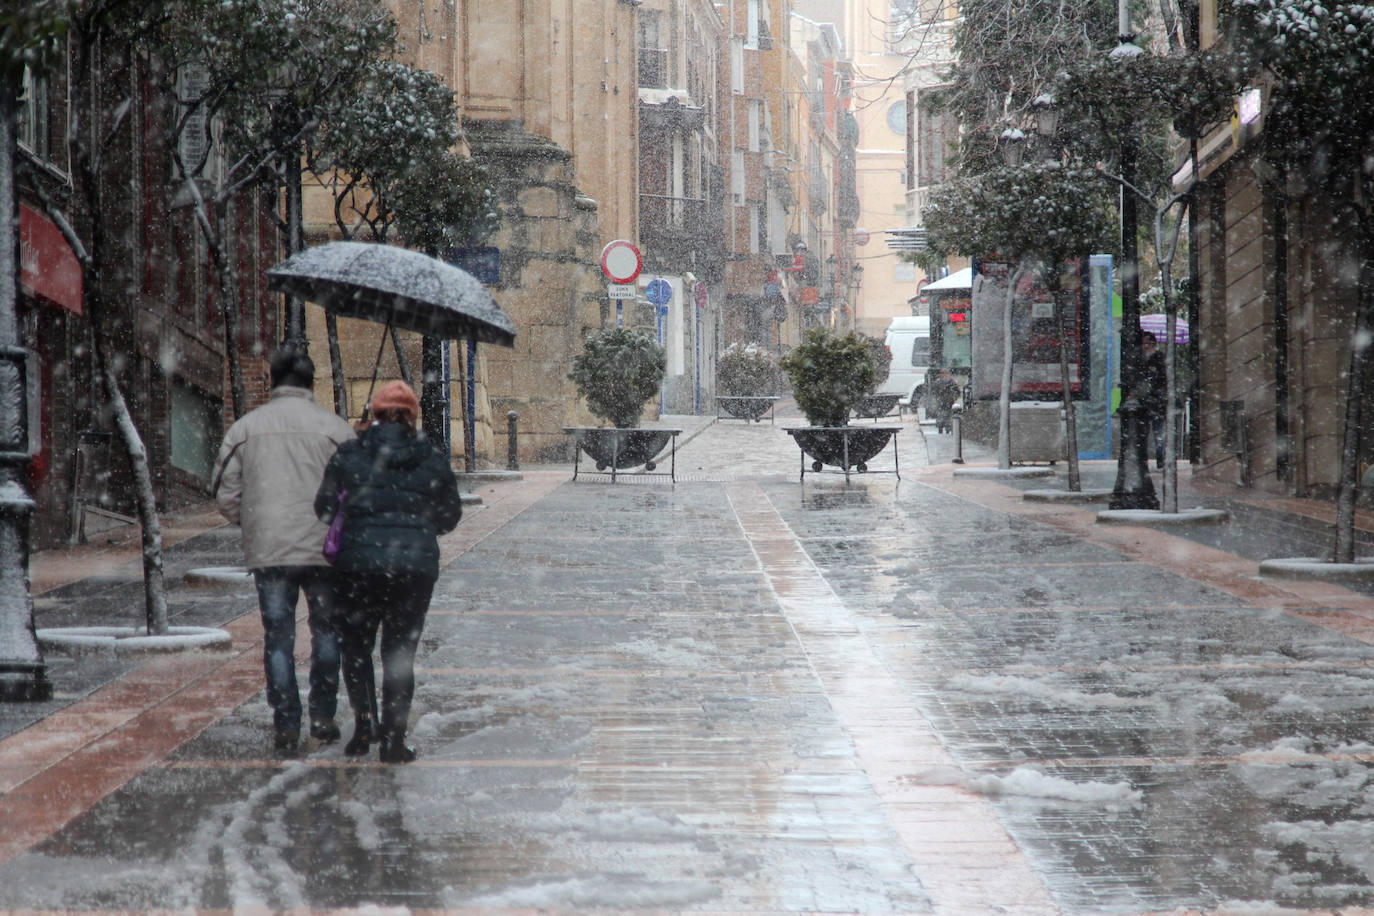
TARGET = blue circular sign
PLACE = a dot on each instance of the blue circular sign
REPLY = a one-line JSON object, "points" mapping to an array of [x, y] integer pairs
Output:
{"points": [[659, 292]]}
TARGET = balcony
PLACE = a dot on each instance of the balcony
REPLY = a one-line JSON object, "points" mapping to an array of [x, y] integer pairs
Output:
{"points": [[653, 68], [679, 233]]}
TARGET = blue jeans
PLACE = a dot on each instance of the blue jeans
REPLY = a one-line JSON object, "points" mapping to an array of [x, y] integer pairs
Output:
{"points": [[279, 589]]}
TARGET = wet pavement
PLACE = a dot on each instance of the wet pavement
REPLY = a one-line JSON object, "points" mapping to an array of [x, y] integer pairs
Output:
{"points": [[744, 693]]}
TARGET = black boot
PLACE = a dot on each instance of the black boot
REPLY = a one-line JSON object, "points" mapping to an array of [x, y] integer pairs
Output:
{"points": [[395, 750], [362, 737], [325, 731]]}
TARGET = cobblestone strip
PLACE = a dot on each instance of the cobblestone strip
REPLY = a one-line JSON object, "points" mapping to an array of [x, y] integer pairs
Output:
{"points": [[963, 856]]}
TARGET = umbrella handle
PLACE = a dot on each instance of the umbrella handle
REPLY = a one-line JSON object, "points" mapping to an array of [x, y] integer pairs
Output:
{"points": [[376, 367]]}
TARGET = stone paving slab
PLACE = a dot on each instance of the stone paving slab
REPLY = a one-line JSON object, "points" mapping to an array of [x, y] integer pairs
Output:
{"points": [[742, 693]]}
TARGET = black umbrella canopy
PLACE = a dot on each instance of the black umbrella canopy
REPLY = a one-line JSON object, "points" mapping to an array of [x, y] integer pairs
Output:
{"points": [[384, 283]]}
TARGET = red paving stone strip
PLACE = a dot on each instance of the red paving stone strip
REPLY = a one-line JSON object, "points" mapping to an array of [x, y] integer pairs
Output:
{"points": [[108, 550], [959, 849], [168, 702], [1351, 614], [58, 768]]}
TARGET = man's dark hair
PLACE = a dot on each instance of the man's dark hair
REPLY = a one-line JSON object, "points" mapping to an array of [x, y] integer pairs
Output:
{"points": [[291, 365], [1148, 336]]}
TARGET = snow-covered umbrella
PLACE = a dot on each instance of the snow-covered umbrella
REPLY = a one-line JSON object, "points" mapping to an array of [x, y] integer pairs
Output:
{"points": [[393, 285], [1155, 323]]}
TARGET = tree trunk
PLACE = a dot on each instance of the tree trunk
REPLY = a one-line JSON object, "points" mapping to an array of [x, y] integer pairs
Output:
{"points": [[85, 125], [1169, 503], [336, 369], [1004, 399], [1052, 281], [295, 236], [215, 219], [1348, 487], [432, 389], [154, 591], [401, 364], [229, 302]]}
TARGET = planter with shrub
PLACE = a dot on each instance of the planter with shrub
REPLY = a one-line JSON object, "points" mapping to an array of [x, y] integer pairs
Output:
{"points": [[746, 382], [618, 371], [874, 405], [830, 376]]}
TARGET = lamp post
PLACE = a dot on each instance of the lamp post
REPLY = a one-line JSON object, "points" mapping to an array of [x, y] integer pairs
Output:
{"points": [[23, 675], [1133, 488], [856, 282]]}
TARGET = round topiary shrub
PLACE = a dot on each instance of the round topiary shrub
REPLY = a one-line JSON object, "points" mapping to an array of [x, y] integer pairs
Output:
{"points": [[882, 361], [618, 370], [746, 371], [829, 375]]}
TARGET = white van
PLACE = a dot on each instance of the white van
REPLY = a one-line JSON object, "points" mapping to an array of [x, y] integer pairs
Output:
{"points": [[908, 340]]}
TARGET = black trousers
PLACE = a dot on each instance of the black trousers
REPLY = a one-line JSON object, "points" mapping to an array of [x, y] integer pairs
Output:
{"points": [[397, 603]]}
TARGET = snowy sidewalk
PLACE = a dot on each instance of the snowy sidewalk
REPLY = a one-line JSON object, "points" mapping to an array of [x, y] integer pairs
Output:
{"points": [[743, 693]]}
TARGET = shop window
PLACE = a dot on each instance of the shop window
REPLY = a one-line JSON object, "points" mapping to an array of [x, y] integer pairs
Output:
{"points": [[195, 425]]}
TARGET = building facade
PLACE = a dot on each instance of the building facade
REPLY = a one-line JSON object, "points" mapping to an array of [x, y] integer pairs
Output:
{"points": [[693, 129], [682, 189], [164, 328], [1275, 313]]}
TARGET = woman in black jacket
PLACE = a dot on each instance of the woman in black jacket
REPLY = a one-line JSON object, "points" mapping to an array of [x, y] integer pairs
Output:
{"points": [[398, 495]]}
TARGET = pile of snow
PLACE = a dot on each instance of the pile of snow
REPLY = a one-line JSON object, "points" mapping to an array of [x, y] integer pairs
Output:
{"points": [[598, 892], [1045, 693], [1032, 782], [621, 826], [1300, 771]]}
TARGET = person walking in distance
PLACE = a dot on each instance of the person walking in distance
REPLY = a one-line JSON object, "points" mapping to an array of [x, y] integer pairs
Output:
{"points": [[398, 494], [1154, 391], [266, 475]]}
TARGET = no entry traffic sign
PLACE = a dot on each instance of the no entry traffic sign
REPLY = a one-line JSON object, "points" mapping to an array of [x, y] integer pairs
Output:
{"points": [[620, 261]]}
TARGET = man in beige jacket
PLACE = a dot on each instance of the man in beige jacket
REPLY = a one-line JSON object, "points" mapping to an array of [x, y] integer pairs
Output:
{"points": [[268, 470]]}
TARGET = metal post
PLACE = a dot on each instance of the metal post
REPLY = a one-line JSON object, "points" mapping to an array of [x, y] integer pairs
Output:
{"points": [[512, 423], [470, 410], [956, 421], [23, 674], [1133, 489]]}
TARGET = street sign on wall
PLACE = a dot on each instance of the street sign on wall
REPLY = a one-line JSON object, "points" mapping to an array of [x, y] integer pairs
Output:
{"points": [[482, 262]]}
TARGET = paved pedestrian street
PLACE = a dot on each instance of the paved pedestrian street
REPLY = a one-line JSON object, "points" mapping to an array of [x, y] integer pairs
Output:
{"points": [[742, 692]]}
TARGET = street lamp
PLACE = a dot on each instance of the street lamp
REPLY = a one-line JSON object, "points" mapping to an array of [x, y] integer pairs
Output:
{"points": [[1011, 145], [1133, 488], [1046, 115]]}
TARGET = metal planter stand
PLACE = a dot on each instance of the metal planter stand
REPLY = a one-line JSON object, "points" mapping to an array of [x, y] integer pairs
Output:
{"points": [[744, 407], [876, 406], [618, 449], [844, 447]]}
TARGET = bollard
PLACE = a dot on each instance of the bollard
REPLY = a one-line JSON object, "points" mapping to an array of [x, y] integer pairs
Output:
{"points": [[512, 422], [957, 421]]}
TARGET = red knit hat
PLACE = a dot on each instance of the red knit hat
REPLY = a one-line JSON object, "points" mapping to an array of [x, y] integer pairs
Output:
{"points": [[396, 396]]}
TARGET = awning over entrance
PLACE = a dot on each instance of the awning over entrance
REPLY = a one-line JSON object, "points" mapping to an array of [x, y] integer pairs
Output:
{"points": [[48, 270]]}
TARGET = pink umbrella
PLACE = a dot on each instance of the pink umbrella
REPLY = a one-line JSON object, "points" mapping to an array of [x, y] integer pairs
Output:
{"points": [[1155, 324]]}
